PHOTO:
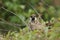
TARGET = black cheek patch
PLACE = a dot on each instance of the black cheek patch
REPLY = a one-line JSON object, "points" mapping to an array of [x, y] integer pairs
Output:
{"points": [[33, 19]]}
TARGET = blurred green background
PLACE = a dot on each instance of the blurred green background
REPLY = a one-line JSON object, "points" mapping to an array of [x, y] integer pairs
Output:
{"points": [[15, 14]]}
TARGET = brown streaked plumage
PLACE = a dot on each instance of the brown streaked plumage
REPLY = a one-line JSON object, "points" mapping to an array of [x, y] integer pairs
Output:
{"points": [[34, 23]]}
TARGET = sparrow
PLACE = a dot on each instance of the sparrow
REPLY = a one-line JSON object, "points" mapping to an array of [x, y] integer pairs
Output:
{"points": [[35, 24]]}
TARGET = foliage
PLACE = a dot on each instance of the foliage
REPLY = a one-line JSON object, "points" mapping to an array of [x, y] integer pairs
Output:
{"points": [[15, 14]]}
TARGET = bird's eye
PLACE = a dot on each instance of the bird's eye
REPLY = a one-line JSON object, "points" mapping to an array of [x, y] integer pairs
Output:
{"points": [[33, 19]]}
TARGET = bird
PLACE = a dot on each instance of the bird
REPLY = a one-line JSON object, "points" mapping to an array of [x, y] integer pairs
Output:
{"points": [[34, 23]]}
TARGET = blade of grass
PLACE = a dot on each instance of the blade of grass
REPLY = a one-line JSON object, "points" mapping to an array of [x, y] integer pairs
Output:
{"points": [[15, 15]]}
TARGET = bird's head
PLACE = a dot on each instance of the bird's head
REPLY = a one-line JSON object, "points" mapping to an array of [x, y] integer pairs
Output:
{"points": [[33, 17]]}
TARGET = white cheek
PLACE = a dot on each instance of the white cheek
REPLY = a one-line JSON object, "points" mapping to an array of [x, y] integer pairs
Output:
{"points": [[35, 18], [30, 19]]}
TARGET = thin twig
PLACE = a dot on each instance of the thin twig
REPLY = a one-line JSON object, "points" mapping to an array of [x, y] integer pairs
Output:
{"points": [[34, 8], [43, 1]]}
